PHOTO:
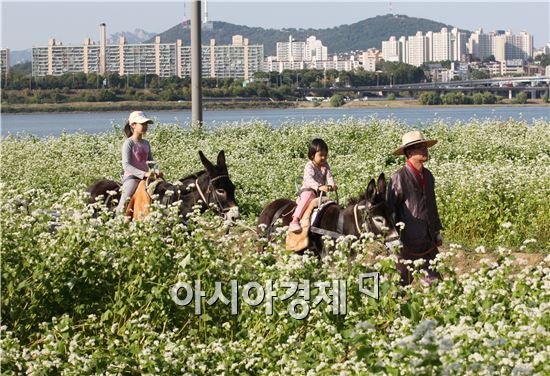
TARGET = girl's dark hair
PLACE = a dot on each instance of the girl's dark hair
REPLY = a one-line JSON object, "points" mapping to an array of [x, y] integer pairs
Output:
{"points": [[127, 129], [317, 145]]}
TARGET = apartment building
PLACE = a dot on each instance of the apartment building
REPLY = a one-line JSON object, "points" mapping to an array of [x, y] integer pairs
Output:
{"points": [[417, 49], [391, 51], [503, 45], [370, 58], [481, 45], [420, 48], [309, 50], [239, 60], [438, 45], [508, 46]]}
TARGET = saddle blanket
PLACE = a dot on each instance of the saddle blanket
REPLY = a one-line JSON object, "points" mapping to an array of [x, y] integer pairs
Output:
{"points": [[300, 241], [140, 203]]}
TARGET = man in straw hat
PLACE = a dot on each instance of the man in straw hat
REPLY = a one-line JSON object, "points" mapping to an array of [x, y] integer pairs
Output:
{"points": [[411, 194]]}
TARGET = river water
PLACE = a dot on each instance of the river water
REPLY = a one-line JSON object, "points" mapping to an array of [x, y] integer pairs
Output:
{"points": [[46, 124]]}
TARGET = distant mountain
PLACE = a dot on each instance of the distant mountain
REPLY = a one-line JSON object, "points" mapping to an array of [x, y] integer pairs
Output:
{"points": [[22, 68], [357, 36], [18, 57], [137, 36]]}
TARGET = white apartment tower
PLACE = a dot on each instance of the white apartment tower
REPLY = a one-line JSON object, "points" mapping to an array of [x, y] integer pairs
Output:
{"points": [[390, 50], [310, 50], [291, 50], [481, 45], [458, 45], [440, 44], [504, 46], [403, 49], [416, 47], [315, 50]]}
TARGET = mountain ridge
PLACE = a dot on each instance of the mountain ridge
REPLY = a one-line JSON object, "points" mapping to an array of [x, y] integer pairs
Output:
{"points": [[361, 35]]}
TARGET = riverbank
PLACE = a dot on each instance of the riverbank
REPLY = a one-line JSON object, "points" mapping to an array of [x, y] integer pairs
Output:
{"points": [[229, 105], [142, 105], [412, 103]]}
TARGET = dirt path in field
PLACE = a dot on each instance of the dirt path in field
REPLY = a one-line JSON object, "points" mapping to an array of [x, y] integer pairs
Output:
{"points": [[465, 262]]}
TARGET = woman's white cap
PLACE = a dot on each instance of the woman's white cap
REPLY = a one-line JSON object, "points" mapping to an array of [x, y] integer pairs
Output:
{"points": [[138, 117]]}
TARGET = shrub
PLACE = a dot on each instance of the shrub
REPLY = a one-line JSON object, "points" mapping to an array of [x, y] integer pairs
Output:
{"points": [[336, 100], [477, 98], [489, 98], [521, 98], [429, 98]]}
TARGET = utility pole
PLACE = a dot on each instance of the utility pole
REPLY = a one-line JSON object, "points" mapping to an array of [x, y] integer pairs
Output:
{"points": [[196, 65]]}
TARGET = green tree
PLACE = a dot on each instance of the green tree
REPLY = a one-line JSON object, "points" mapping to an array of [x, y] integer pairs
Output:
{"points": [[544, 60], [453, 98], [476, 74], [478, 98], [521, 98], [336, 100], [489, 98], [429, 98]]}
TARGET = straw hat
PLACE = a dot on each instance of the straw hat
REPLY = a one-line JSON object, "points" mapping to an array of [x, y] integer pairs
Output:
{"points": [[413, 138]]}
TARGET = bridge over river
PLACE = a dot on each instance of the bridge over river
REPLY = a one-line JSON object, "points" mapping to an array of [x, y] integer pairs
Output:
{"points": [[537, 86]]}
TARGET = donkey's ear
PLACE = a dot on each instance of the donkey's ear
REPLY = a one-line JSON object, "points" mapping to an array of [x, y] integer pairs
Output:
{"points": [[221, 159], [371, 191], [205, 162], [381, 184]]}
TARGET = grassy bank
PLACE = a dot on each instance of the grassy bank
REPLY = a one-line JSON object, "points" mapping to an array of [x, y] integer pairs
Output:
{"points": [[128, 105], [225, 105]]}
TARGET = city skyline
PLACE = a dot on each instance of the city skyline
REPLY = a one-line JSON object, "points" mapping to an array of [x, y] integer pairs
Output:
{"points": [[21, 23]]}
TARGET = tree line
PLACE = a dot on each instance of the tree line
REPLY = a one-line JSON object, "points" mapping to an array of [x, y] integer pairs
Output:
{"points": [[287, 85]]}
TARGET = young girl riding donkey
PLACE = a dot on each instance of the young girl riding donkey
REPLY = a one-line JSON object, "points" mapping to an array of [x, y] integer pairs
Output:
{"points": [[317, 178], [136, 152]]}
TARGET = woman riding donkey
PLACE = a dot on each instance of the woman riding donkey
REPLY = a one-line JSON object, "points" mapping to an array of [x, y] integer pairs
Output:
{"points": [[317, 178]]}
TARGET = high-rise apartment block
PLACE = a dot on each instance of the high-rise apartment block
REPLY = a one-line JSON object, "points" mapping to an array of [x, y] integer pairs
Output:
{"points": [[311, 54], [420, 48], [238, 60], [502, 45], [417, 50], [391, 51], [452, 45], [310, 50]]}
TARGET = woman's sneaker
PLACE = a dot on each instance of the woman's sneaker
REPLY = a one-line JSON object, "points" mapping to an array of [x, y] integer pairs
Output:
{"points": [[295, 227]]}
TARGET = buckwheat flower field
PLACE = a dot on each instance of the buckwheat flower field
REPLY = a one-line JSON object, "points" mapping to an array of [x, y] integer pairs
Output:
{"points": [[94, 294]]}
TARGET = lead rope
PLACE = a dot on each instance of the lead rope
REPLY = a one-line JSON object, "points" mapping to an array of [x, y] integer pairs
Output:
{"points": [[200, 192], [356, 219]]}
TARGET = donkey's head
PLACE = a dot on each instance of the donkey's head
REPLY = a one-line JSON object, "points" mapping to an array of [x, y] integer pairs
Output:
{"points": [[377, 213], [217, 187]]}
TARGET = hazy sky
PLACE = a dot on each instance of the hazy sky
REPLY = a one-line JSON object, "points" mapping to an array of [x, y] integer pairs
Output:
{"points": [[26, 24]]}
